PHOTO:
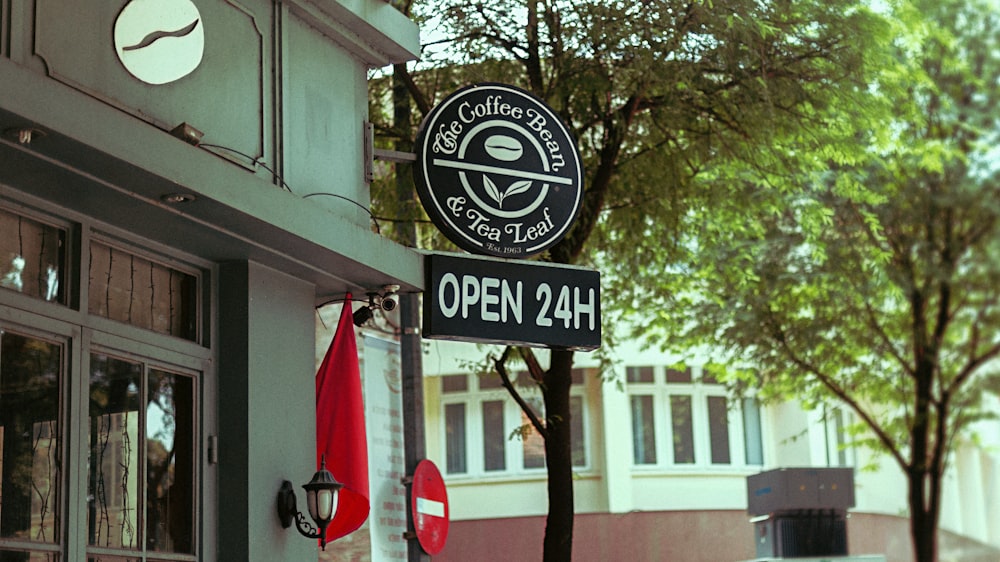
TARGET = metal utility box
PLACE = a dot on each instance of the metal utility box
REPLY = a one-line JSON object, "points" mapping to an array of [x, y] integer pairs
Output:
{"points": [[802, 534], [792, 489], [800, 512]]}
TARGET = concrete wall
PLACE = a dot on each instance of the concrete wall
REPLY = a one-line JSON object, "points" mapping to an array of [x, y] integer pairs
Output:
{"points": [[267, 405], [280, 92]]}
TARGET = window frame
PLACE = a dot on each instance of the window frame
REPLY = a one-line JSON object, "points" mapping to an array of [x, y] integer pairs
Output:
{"points": [[173, 363], [474, 397], [840, 452], [662, 393], [159, 256], [69, 255], [64, 336], [81, 334]]}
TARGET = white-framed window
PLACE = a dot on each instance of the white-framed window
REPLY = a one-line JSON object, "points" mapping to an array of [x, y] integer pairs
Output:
{"points": [[684, 419], [482, 422], [839, 451]]}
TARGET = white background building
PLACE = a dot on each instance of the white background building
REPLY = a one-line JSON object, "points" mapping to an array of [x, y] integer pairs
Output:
{"points": [[662, 460]]}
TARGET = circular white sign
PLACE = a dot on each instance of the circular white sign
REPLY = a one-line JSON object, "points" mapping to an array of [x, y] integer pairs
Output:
{"points": [[159, 41]]}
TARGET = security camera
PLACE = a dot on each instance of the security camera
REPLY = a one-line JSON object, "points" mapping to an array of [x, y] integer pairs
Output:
{"points": [[362, 316], [389, 300]]}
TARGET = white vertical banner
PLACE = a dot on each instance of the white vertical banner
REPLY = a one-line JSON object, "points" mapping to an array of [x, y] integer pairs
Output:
{"points": [[382, 376]]}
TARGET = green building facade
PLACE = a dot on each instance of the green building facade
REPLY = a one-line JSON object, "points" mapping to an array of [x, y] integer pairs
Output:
{"points": [[182, 182]]}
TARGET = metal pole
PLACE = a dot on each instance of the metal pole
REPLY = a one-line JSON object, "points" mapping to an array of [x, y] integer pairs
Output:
{"points": [[409, 308], [413, 405]]}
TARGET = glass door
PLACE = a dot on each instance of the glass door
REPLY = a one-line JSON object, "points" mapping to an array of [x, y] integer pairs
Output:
{"points": [[32, 370]]}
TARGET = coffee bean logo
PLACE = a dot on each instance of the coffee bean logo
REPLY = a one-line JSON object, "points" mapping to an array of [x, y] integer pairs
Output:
{"points": [[159, 41], [502, 147]]}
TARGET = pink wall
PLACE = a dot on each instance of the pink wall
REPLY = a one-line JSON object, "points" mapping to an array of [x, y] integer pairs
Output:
{"points": [[699, 536], [690, 536]]}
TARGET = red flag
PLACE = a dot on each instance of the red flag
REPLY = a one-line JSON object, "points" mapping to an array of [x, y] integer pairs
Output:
{"points": [[340, 427]]}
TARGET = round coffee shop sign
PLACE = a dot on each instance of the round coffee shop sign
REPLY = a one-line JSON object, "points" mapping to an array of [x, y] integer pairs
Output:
{"points": [[498, 172]]}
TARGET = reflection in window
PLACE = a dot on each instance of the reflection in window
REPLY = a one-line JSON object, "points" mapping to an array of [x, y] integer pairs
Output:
{"points": [[579, 448], [533, 444], [454, 419], [751, 432], [138, 416], [131, 289], [841, 438], [169, 462], [31, 257], [683, 429], [30, 373], [679, 375], [454, 383], [838, 450], [718, 429], [643, 430], [638, 374], [23, 556], [114, 452], [494, 436]]}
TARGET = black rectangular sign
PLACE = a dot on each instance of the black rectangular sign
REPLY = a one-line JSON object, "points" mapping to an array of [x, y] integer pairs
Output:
{"points": [[518, 303]]}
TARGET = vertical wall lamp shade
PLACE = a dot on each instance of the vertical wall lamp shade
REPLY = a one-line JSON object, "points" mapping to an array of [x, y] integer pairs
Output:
{"points": [[321, 498]]}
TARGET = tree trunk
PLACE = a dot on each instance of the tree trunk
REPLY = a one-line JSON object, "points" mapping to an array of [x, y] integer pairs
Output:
{"points": [[923, 478], [923, 519], [558, 544]]}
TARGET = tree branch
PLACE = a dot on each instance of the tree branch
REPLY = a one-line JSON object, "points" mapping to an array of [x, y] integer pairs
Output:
{"points": [[778, 334], [970, 367], [501, 367], [423, 104]]}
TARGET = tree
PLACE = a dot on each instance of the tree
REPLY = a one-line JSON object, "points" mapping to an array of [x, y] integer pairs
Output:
{"points": [[875, 285], [654, 93]]}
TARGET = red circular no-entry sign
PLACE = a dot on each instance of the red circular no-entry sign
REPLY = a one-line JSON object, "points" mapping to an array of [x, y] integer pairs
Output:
{"points": [[429, 506]]}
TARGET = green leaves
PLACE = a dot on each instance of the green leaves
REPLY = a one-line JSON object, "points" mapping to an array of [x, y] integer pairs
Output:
{"points": [[849, 247]]}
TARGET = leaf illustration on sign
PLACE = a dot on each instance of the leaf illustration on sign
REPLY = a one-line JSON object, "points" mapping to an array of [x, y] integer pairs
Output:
{"points": [[492, 190], [518, 187], [498, 196]]}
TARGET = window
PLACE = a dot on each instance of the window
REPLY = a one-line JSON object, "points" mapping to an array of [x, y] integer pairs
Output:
{"points": [[681, 418], [31, 374], [639, 374], [751, 432], [34, 254], [480, 419], [133, 289], [454, 420], [494, 436], [643, 429], [99, 430], [141, 453], [839, 451], [141, 473]]}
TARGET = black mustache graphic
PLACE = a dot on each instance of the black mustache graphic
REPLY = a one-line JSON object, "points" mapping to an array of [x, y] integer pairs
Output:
{"points": [[157, 35]]}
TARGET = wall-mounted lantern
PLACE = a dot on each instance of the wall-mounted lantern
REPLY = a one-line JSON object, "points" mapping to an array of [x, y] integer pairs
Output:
{"points": [[321, 498]]}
